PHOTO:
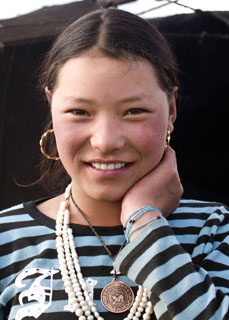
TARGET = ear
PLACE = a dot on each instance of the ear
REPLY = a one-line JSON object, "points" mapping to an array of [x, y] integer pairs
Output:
{"points": [[48, 94], [172, 109]]}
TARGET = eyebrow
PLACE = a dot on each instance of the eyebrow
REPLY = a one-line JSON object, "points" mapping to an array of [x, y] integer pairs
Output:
{"points": [[135, 98], [79, 100], [126, 100]]}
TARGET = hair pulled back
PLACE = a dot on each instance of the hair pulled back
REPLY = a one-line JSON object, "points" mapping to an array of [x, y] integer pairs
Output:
{"points": [[117, 34]]}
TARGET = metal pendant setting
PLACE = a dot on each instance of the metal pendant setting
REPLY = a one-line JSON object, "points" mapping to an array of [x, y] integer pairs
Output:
{"points": [[117, 297]]}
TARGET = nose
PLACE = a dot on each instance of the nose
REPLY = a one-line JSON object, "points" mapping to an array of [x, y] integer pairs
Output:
{"points": [[107, 135]]}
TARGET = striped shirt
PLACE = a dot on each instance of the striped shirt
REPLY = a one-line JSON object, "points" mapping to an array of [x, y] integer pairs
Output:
{"points": [[183, 261]]}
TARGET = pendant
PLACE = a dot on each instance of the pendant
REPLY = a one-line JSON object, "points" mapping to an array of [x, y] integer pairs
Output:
{"points": [[117, 297]]}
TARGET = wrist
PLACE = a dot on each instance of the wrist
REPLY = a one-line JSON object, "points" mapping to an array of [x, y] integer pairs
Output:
{"points": [[138, 220]]}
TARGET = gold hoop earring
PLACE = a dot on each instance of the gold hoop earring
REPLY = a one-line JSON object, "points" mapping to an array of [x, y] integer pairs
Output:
{"points": [[168, 138], [44, 135]]}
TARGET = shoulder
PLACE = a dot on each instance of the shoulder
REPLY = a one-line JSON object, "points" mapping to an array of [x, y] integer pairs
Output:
{"points": [[24, 217], [198, 214], [11, 209], [12, 213], [16, 217], [199, 206]]}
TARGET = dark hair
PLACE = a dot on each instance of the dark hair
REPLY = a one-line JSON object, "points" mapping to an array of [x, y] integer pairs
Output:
{"points": [[117, 34]]}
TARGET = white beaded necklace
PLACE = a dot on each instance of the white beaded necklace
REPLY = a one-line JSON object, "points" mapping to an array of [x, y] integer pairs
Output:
{"points": [[79, 299]]}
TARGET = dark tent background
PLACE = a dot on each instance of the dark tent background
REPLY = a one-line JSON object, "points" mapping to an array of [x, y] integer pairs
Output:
{"points": [[201, 44]]}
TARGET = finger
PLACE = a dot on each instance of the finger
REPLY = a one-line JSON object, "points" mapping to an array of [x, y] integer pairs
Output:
{"points": [[168, 161]]}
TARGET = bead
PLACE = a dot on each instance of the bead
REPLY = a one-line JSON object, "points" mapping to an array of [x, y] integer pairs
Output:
{"points": [[60, 255], [62, 207], [79, 312], [65, 277], [84, 286], [69, 259], [78, 292], [72, 300], [62, 261], [74, 283], [59, 228], [93, 309], [73, 277], [76, 306], [86, 308], [135, 305], [74, 255], [64, 272], [67, 283], [58, 233], [91, 304], [68, 289], [140, 309], [60, 250], [132, 310], [59, 245], [76, 286], [71, 271], [81, 281], [148, 310], [77, 266]]}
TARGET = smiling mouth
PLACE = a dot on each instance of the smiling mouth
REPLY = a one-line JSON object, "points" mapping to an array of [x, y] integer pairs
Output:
{"points": [[108, 166]]}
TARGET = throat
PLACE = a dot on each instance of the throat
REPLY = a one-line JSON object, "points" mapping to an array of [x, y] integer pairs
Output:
{"points": [[98, 213]]}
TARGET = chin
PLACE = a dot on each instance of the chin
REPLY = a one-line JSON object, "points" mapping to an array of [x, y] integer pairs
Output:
{"points": [[106, 196]]}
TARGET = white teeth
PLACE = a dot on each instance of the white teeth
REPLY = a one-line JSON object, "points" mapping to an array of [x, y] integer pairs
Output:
{"points": [[111, 166], [108, 166]]}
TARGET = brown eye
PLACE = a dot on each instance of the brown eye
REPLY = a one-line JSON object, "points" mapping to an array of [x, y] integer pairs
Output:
{"points": [[80, 112], [136, 111]]}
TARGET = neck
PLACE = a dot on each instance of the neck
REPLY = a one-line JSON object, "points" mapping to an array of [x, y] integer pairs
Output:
{"points": [[98, 212]]}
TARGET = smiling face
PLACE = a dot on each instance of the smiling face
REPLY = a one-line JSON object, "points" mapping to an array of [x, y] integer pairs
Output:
{"points": [[110, 119]]}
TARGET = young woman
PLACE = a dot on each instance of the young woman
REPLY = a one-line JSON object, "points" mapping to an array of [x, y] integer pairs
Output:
{"points": [[118, 243]]}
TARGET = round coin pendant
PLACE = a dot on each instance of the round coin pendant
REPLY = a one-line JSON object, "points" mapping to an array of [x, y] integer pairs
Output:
{"points": [[117, 297]]}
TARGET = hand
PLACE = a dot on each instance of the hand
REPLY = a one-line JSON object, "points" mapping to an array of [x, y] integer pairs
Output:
{"points": [[160, 188]]}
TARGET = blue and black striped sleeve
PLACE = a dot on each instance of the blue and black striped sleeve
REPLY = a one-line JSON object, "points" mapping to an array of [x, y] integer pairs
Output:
{"points": [[182, 285]]}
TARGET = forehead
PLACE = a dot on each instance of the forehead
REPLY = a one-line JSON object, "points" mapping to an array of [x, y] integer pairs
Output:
{"points": [[90, 70], [106, 82]]}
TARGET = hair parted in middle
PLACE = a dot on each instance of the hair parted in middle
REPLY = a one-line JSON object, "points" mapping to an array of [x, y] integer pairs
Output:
{"points": [[116, 34]]}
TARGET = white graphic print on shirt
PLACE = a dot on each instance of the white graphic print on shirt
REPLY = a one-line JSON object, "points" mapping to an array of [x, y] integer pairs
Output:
{"points": [[42, 295]]}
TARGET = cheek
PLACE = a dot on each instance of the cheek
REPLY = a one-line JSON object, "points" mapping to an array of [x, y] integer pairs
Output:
{"points": [[68, 139], [151, 138], [151, 147]]}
